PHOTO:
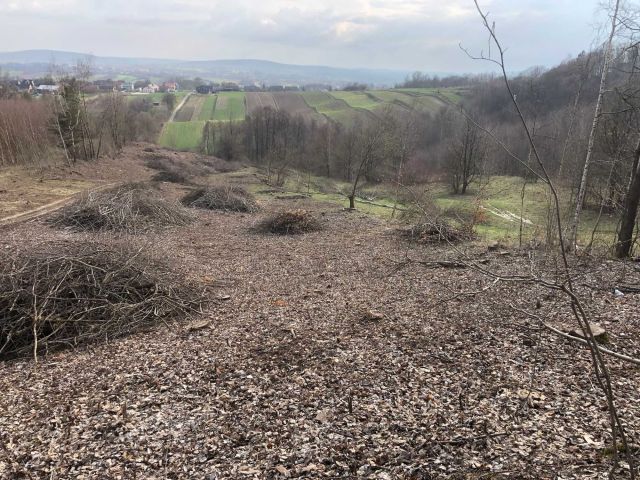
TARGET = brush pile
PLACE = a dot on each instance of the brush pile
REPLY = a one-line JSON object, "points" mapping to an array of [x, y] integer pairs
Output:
{"points": [[229, 198], [172, 170], [171, 177], [290, 222], [438, 232], [66, 294], [131, 208]]}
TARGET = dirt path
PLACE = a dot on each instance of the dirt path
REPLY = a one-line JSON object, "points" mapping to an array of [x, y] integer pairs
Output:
{"points": [[177, 109], [29, 192], [48, 208], [507, 215]]}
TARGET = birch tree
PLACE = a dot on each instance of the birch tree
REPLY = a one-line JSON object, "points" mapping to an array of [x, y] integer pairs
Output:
{"points": [[575, 223]]}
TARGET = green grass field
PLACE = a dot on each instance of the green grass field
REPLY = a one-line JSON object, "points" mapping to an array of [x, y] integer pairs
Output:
{"points": [[229, 106], [208, 108], [187, 134], [497, 202], [182, 135], [500, 206], [358, 99], [333, 108], [155, 97], [452, 94], [419, 102]]}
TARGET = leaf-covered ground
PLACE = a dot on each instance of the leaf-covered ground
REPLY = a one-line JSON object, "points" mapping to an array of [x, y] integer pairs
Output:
{"points": [[327, 355]]}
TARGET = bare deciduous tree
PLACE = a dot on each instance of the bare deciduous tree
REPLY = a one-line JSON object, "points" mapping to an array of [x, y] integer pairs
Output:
{"points": [[368, 150], [467, 152]]}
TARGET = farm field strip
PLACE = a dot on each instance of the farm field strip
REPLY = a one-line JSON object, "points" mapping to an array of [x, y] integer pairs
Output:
{"points": [[359, 100], [450, 94], [380, 102], [333, 108], [153, 97], [257, 100], [185, 113], [186, 135], [190, 110], [230, 106], [412, 102], [207, 109], [294, 104], [198, 104]]}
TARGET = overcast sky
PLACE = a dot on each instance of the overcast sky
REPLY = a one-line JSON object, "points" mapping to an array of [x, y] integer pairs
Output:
{"points": [[398, 34]]}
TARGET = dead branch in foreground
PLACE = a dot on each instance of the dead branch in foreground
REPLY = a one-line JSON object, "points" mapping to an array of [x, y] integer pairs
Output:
{"points": [[619, 356]]}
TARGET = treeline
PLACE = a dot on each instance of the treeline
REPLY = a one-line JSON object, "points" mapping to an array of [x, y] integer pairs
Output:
{"points": [[424, 80], [558, 105], [381, 148], [71, 124]]}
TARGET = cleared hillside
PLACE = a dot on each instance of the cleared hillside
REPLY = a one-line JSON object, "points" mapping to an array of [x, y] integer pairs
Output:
{"points": [[345, 352]]}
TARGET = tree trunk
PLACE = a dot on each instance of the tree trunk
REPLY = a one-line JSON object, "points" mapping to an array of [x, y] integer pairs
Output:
{"points": [[573, 234], [630, 212], [352, 202]]}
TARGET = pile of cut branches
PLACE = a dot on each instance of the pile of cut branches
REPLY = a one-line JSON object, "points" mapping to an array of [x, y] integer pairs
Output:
{"points": [[229, 198], [438, 232], [290, 222], [130, 208], [172, 170], [172, 176], [66, 294]]}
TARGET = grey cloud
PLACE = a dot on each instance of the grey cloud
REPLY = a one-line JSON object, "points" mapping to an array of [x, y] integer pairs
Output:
{"points": [[376, 33]]}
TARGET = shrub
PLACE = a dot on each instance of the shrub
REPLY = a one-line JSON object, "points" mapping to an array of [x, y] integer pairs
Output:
{"points": [[290, 222], [229, 198], [131, 208]]}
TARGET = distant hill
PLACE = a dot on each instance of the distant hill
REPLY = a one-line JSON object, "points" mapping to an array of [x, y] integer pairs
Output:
{"points": [[35, 62]]}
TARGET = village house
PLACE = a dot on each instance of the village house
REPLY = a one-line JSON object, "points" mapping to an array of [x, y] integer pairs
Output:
{"points": [[128, 87], [151, 88], [169, 87], [25, 86], [48, 89]]}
